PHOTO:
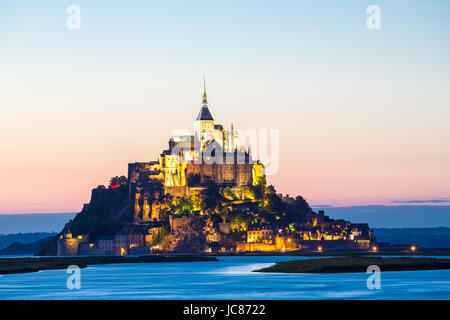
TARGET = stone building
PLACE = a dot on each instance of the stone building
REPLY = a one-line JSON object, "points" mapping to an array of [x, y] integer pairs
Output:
{"points": [[130, 238], [211, 154], [68, 244], [106, 245], [263, 234]]}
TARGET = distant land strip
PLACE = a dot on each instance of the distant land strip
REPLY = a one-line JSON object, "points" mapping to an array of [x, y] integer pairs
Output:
{"points": [[25, 265], [357, 264]]}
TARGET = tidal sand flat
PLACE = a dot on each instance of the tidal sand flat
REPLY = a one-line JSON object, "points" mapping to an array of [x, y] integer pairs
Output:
{"points": [[357, 264], [24, 265]]}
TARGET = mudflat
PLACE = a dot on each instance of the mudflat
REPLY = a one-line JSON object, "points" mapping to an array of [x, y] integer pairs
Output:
{"points": [[357, 264], [24, 265]]}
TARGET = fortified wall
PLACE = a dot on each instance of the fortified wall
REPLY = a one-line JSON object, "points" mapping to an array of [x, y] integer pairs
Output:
{"points": [[69, 245]]}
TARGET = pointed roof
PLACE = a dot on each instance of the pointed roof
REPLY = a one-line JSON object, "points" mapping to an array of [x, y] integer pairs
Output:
{"points": [[204, 114]]}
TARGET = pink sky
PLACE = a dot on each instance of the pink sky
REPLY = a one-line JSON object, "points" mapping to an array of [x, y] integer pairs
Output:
{"points": [[363, 115], [336, 155]]}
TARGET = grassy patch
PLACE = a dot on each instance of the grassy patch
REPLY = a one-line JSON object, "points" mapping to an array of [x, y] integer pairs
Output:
{"points": [[357, 264]]}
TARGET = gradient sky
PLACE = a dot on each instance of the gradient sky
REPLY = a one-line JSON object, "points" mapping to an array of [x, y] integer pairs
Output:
{"points": [[364, 115]]}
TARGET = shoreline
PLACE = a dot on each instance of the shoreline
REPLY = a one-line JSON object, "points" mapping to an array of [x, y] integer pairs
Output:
{"points": [[35, 264], [326, 262], [357, 264], [343, 253]]}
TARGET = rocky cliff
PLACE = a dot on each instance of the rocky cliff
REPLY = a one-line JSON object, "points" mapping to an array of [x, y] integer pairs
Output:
{"points": [[105, 214], [191, 234]]}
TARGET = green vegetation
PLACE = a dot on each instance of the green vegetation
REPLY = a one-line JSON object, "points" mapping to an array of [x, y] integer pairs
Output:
{"points": [[357, 264], [118, 181], [229, 194], [212, 197], [261, 181], [162, 237], [244, 193], [239, 216], [24, 265], [243, 207], [194, 180], [236, 205], [183, 206]]}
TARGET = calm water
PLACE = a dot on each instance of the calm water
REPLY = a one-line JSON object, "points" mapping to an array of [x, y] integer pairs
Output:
{"points": [[230, 278]]}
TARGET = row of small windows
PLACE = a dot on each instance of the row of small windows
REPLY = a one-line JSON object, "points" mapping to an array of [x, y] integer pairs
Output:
{"points": [[260, 232]]}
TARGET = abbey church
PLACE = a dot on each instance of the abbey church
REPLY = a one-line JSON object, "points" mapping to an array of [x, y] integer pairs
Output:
{"points": [[213, 154]]}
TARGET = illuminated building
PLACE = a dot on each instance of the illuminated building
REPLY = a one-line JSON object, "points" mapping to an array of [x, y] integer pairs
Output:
{"points": [[211, 154], [261, 234], [68, 245]]}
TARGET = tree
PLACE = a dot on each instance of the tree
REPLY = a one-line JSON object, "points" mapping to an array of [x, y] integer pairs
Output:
{"points": [[118, 181], [248, 193], [240, 216], [216, 218], [228, 194], [273, 200], [211, 196], [258, 191], [196, 200], [194, 180], [184, 207], [260, 181]]}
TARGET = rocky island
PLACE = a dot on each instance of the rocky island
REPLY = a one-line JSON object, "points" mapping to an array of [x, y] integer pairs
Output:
{"points": [[205, 193]]}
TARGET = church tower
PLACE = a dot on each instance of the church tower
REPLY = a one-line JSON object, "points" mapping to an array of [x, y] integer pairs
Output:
{"points": [[204, 124]]}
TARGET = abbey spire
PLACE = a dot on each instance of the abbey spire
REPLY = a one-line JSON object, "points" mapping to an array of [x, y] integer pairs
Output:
{"points": [[204, 114], [204, 96]]}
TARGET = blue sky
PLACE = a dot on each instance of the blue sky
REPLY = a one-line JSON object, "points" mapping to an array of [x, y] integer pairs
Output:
{"points": [[363, 114]]}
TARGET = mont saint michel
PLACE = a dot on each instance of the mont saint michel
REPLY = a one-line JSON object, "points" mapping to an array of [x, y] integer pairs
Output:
{"points": [[311, 163], [205, 193]]}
